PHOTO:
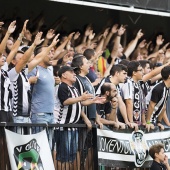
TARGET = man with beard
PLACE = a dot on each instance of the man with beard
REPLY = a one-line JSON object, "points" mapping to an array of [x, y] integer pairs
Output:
{"points": [[118, 74], [107, 110]]}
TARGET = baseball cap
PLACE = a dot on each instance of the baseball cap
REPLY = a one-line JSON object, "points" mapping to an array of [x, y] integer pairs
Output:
{"points": [[63, 69]]}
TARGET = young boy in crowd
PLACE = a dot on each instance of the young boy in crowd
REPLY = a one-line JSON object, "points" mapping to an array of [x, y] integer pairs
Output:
{"points": [[160, 160]]}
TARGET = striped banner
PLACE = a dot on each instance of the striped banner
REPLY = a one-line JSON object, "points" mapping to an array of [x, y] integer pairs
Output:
{"points": [[127, 148]]}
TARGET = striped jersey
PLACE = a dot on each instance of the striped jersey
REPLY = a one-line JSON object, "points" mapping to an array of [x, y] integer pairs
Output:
{"points": [[67, 113], [159, 95], [20, 87], [6, 94]]}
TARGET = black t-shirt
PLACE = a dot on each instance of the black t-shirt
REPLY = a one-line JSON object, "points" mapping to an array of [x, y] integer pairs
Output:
{"points": [[103, 109], [159, 96], [158, 166]]}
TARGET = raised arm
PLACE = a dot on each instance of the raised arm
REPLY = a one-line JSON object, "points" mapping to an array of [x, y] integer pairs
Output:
{"points": [[117, 39], [39, 57], [113, 30], [10, 30], [26, 56], [62, 46], [86, 33], [90, 38], [131, 46], [159, 42], [50, 34], [154, 72], [16, 44]]}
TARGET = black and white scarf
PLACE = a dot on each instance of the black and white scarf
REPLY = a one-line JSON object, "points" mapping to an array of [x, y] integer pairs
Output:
{"points": [[139, 103]]}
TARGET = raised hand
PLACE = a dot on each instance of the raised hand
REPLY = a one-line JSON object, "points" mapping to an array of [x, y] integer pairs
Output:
{"points": [[55, 40], [159, 40], [121, 30], [106, 31], [142, 44], [50, 34], [24, 27], [139, 34], [148, 44], [114, 28], [87, 31], [165, 47], [76, 35], [93, 45], [12, 27], [70, 36], [91, 35], [38, 39]]}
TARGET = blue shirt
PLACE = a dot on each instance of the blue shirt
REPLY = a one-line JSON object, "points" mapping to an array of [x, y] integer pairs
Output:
{"points": [[42, 91]]}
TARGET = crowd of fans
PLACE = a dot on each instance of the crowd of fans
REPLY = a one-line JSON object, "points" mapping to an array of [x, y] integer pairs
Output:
{"points": [[83, 78]]}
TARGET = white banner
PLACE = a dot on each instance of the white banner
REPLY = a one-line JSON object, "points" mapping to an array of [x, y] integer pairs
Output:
{"points": [[121, 148], [29, 151]]}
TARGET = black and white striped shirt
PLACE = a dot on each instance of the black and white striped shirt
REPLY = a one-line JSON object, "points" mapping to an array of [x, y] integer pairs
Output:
{"points": [[6, 94], [68, 113], [21, 92], [159, 95]]}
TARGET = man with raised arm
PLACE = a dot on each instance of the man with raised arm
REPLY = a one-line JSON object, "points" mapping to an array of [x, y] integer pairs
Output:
{"points": [[157, 105]]}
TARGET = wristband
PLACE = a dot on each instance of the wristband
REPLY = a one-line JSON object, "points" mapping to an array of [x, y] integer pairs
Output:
{"points": [[148, 122]]}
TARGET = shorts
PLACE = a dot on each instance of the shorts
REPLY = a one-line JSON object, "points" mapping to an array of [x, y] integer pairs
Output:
{"points": [[66, 144]]}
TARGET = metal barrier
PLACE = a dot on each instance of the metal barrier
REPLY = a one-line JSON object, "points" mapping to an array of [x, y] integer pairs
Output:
{"points": [[86, 155]]}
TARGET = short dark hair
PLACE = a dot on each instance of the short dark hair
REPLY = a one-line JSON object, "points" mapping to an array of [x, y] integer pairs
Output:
{"points": [[144, 62], [77, 62], [165, 72], [155, 149], [133, 66], [105, 87], [55, 69], [38, 49], [124, 62], [88, 53], [117, 68]]}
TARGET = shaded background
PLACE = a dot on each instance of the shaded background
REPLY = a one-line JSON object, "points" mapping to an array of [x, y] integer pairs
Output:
{"points": [[77, 16]]}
